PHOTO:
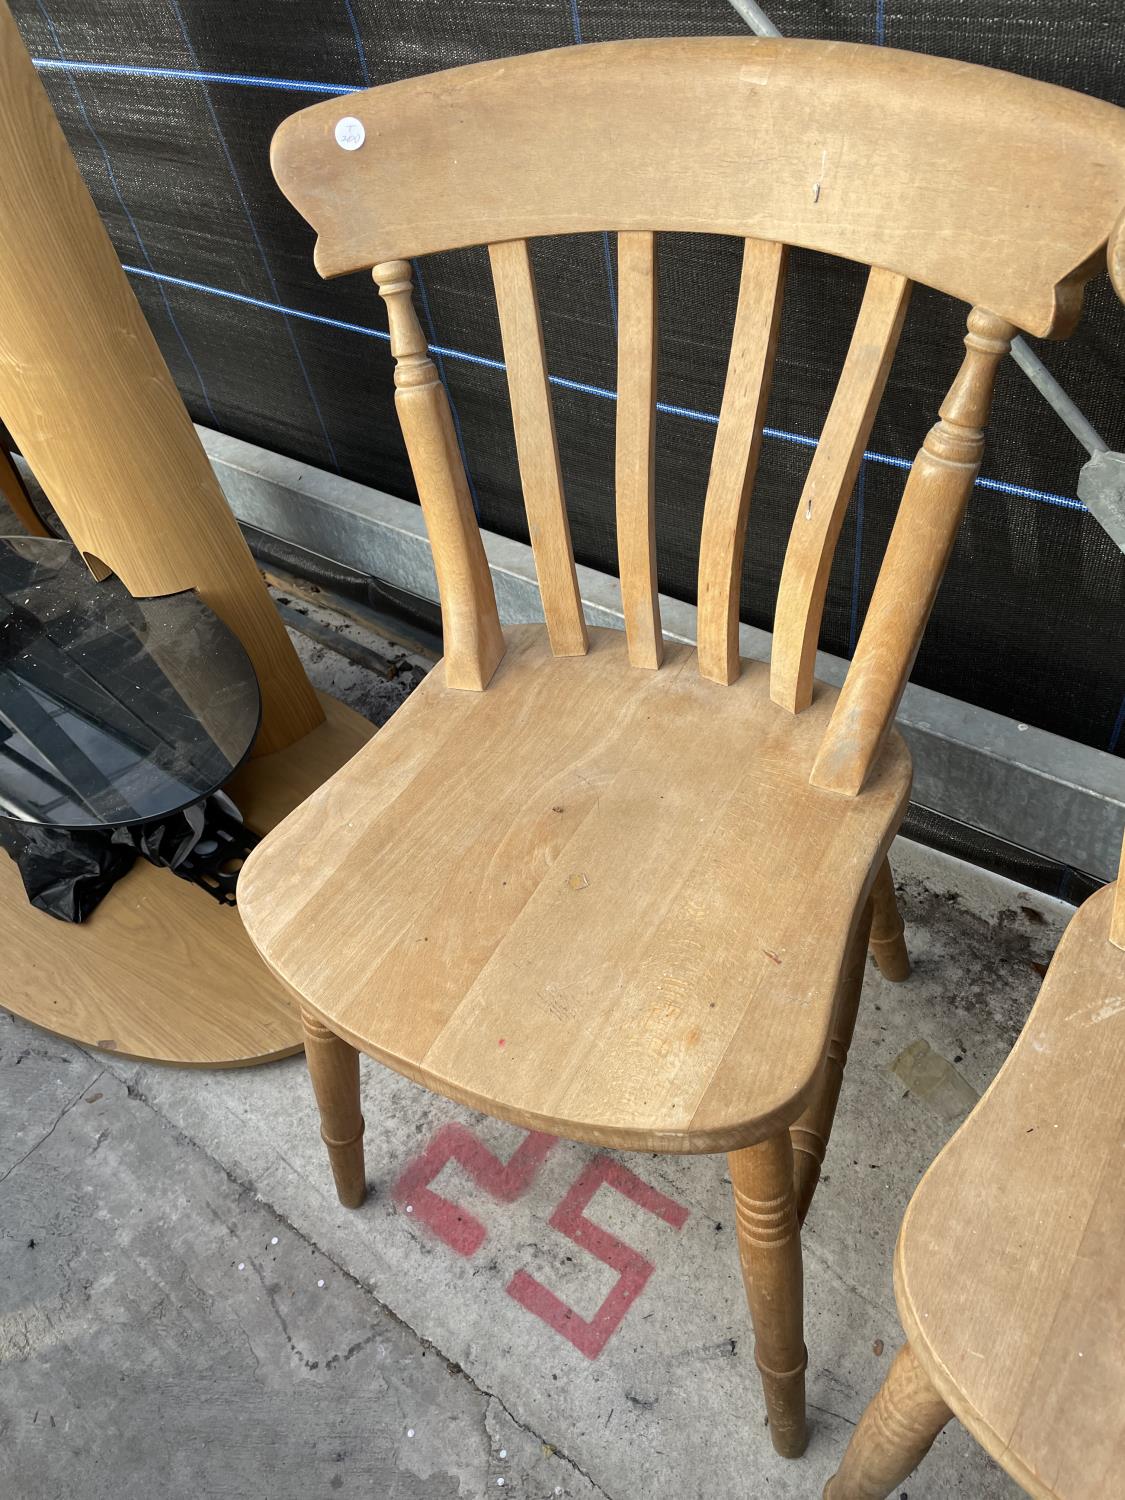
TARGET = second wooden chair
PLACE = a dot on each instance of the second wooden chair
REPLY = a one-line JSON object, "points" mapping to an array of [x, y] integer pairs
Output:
{"points": [[1009, 1266]]}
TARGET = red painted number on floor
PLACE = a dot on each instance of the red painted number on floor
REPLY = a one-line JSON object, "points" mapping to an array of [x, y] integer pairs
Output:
{"points": [[507, 1181], [504, 1181], [590, 1336]]}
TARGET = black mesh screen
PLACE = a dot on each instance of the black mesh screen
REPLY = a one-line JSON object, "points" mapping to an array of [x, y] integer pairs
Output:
{"points": [[169, 106]]}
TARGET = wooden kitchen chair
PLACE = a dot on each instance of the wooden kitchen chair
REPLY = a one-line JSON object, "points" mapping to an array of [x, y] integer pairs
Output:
{"points": [[624, 894], [1010, 1271]]}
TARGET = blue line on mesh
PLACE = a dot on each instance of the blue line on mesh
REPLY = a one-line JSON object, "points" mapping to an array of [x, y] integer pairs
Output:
{"points": [[178, 13], [193, 75], [880, 23], [176, 329], [1119, 725], [610, 285], [888, 460], [611, 289], [358, 44], [860, 491], [274, 307]]}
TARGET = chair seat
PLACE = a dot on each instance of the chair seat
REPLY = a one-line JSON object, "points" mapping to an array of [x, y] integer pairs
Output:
{"points": [[591, 899], [1009, 1271]]}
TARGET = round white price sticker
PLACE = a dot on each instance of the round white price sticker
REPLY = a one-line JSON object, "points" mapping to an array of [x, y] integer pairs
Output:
{"points": [[350, 133]]}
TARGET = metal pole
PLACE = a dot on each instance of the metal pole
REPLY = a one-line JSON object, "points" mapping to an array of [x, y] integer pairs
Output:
{"points": [[1049, 388], [1101, 480], [1101, 483], [755, 17]]}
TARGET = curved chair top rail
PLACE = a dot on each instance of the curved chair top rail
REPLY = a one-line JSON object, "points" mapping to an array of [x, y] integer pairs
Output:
{"points": [[990, 187]]}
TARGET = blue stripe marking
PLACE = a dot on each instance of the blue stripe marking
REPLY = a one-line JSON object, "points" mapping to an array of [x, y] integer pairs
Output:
{"points": [[1119, 725], [193, 75], [1000, 486], [176, 11], [609, 282], [611, 288], [860, 491], [364, 74], [880, 23], [125, 210]]}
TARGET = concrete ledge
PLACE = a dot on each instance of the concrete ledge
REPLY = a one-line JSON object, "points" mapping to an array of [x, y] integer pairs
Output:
{"points": [[1031, 788]]}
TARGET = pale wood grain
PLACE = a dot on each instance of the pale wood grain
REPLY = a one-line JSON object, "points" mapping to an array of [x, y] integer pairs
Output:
{"points": [[864, 152], [636, 444], [93, 408], [828, 488], [12, 491], [1008, 1269], [161, 971], [471, 625], [933, 502], [533, 418], [893, 1436], [769, 1246], [1117, 921], [600, 898], [734, 461], [334, 1073]]}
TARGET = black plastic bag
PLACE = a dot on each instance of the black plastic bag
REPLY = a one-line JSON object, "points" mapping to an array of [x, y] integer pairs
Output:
{"points": [[65, 873]]}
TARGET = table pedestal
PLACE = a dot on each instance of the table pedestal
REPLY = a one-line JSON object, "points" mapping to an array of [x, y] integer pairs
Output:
{"points": [[161, 971]]}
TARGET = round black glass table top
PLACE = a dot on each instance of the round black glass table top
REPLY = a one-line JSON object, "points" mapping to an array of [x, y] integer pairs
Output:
{"points": [[113, 710]]}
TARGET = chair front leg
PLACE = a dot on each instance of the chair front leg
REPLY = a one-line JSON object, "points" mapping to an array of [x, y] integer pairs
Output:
{"points": [[769, 1244], [893, 1436], [334, 1070], [888, 946], [811, 1131]]}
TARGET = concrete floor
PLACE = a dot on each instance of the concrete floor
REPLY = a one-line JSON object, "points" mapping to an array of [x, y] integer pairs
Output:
{"points": [[186, 1311]]}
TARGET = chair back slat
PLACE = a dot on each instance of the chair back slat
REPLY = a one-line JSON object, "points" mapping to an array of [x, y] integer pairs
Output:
{"points": [[933, 502], [537, 448], [636, 442], [734, 460], [828, 488]]}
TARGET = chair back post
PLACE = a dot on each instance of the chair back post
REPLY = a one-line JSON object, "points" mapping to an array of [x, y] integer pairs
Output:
{"points": [[929, 514], [474, 642]]}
